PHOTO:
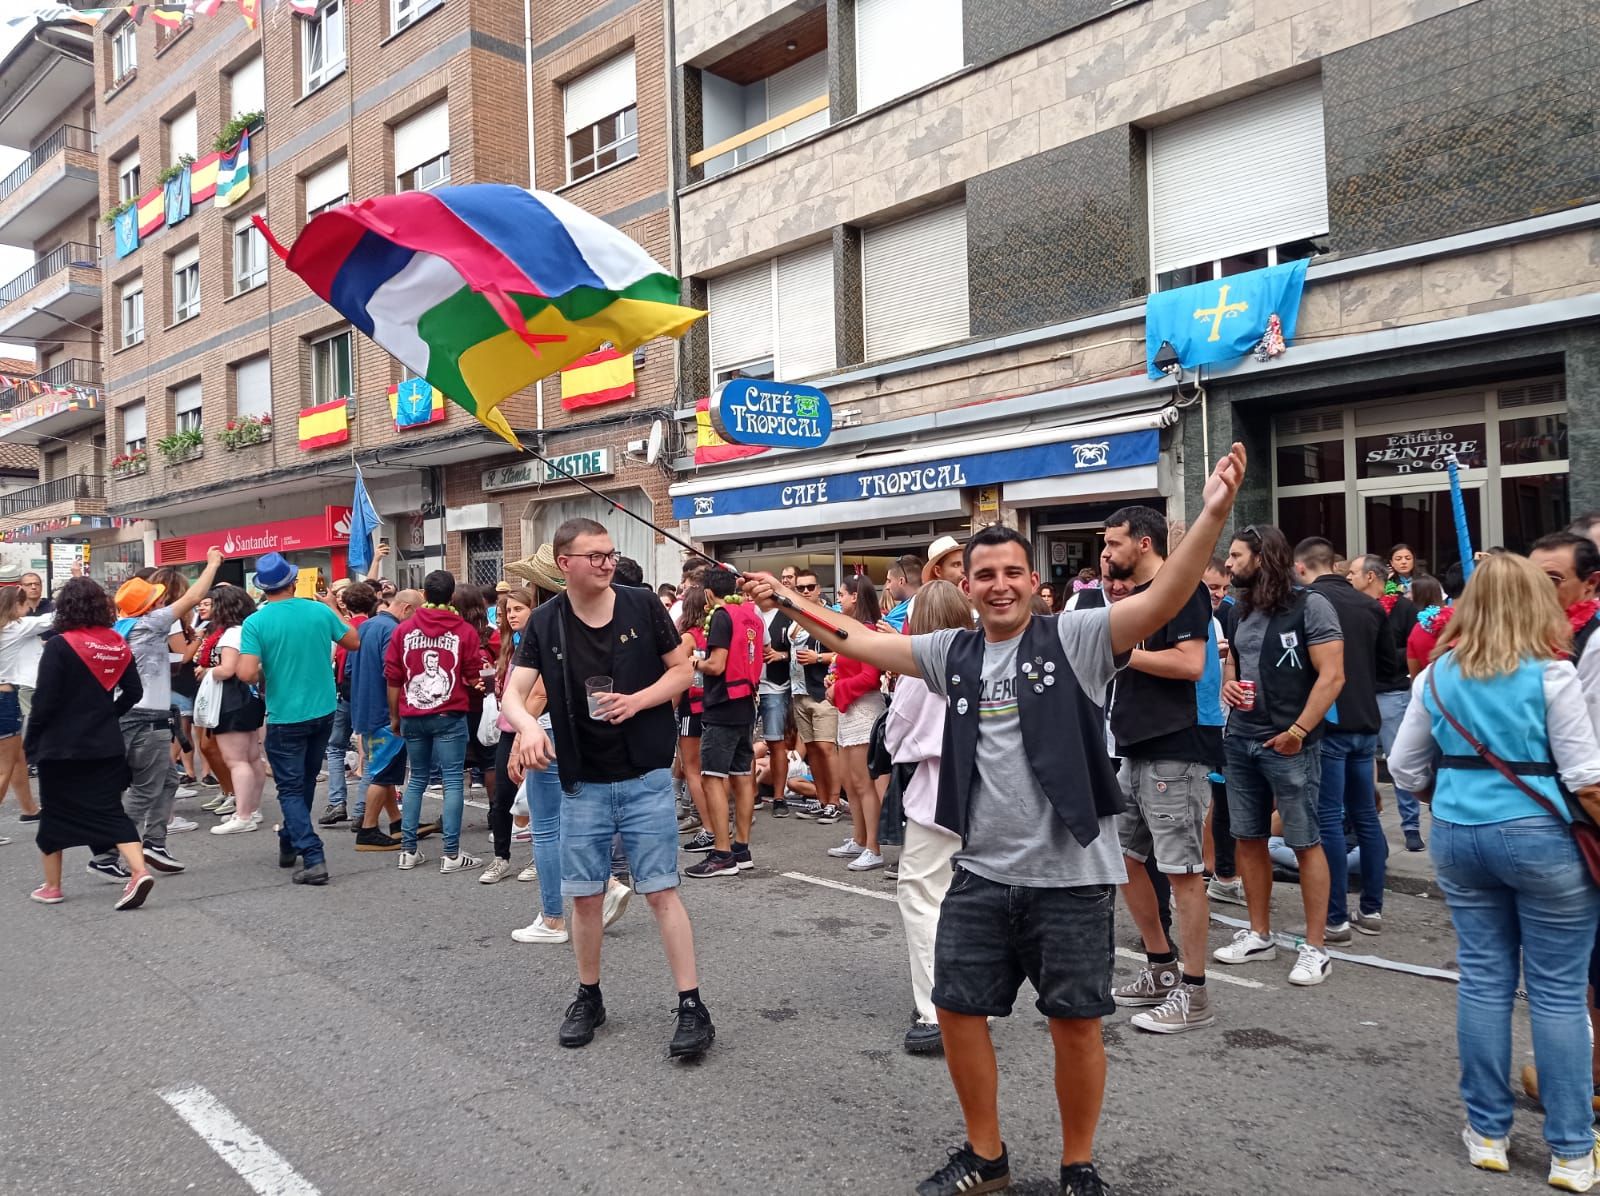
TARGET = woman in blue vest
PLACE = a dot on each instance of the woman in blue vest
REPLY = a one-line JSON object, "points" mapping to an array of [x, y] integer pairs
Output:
{"points": [[1510, 870]]}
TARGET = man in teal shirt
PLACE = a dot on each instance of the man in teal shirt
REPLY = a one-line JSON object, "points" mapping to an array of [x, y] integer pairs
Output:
{"points": [[287, 646]]}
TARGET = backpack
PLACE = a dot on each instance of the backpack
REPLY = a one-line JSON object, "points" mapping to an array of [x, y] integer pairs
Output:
{"points": [[747, 653]]}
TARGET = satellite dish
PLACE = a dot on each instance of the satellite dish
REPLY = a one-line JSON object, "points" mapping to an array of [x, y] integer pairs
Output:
{"points": [[658, 434]]}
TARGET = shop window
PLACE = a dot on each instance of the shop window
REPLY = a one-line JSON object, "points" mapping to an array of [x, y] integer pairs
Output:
{"points": [[485, 556], [1307, 464], [132, 305], [601, 117], [247, 87], [327, 187], [331, 369], [903, 44], [631, 538], [186, 284], [422, 149], [124, 51], [187, 410], [128, 177], [134, 428], [1426, 521], [405, 12], [914, 283], [1532, 506], [322, 53], [1313, 515], [1530, 439]]}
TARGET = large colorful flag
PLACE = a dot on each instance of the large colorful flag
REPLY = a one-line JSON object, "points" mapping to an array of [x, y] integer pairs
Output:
{"points": [[152, 210], [203, 178], [233, 173], [251, 11], [709, 448], [325, 424], [415, 404], [207, 8], [126, 228], [177, 197], [364, 524], [170, 15], [1225, 318], [485, 289], [604, 376]]}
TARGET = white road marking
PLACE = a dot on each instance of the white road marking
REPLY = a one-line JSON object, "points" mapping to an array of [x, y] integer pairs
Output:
{"points": [[266, 1171], [835, 884], [1211, 973], [1366, 961]]}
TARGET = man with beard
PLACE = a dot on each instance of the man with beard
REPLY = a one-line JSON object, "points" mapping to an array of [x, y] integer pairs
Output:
{"points": [[1285, 668]]}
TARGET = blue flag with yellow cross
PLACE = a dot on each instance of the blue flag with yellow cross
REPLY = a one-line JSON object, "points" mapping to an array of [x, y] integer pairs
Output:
{"points": [[1225, 318]]}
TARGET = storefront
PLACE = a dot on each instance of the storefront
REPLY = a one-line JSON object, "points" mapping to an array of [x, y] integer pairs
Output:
{"points": [[1371, 475], [315, 542]]}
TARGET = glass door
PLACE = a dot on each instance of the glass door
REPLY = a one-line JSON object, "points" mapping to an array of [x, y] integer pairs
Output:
{"points": [[1424, 520]]}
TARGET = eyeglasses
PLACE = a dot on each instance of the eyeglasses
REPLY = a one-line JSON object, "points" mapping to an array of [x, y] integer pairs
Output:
{"points": [[810, 589], [597, 560]]}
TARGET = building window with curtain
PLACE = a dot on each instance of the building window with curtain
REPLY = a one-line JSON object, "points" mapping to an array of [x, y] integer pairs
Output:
{"points": [[774, 320], [422, 149], [127, 178], [249, 256], [132, 305], [187, 410], [403, 13], [602, 118], [124, 51], [914, 283], [331, 369]]}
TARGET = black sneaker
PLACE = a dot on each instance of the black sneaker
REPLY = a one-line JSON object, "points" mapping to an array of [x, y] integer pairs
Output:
{"points": [[287, 856], [159, 858], [717, 863], [780, 808], [28, 818], [703, 841], [828, 815], [423, 831], [694, 1034], [370, 838], [312, 874], [584, 1016], [334, 816], [741, 857], [1081, 1179], [110, 869], [924, 1039], [966, 1174]]}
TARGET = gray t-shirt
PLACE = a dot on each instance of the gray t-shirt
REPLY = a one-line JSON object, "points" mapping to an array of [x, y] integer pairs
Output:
{"points": [[1014, 836], [148, 638], [1322, 627]]}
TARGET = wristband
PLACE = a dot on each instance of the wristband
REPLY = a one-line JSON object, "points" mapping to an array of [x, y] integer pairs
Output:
{"points": [[1298, 731]]}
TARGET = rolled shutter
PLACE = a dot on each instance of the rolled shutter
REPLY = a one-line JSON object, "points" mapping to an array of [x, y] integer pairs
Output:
{"points": [[247, 87], [903, 44], [328, 184], [252, 387], [914, 283], [422, 138], [183, 136], [805, 343], [133, 422], [740, 315], [608, 88], [791, 87], [186, 398]]}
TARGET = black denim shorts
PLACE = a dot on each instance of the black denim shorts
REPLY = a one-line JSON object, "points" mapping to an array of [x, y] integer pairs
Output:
{"points": [[993, 936]]}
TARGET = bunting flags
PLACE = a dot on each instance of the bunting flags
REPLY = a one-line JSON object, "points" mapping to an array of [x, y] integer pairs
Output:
{"points": [[233, 173], [304, 8], [176, 199], [171, 16], [152, 210], [604, 376], [251, 11], [326, 424], [206, 8]]}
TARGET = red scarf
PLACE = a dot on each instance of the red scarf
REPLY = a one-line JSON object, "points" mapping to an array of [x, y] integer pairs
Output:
{"points": [[1580, 613], [208, 654], [103, 652], [1388, 601]]}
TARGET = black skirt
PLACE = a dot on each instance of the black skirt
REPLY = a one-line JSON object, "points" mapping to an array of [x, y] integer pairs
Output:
{"points": [[81, 804]]}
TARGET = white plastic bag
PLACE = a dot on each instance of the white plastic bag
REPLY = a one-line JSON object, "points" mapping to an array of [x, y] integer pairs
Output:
{"points": [[208, 702], [489, 722], [519, 805]]}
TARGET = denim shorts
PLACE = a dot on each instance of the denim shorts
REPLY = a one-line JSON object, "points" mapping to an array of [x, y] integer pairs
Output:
{"points": [[10, 714], [1167, 815], [774, 716], [1259, 779], [642, 811], [726, 751], [992, 936], [184, 703]]}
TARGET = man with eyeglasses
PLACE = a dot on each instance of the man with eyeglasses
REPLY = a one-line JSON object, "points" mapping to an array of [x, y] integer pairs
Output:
{"points": [[816, 722], [1572, 563], [613, 665]]}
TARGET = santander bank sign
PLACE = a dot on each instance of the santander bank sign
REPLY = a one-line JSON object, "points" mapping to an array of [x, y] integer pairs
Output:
{"points": [[330, 529]]}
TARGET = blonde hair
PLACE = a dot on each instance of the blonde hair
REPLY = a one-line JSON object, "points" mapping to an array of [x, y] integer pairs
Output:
{"points": [[1507, 614], [939, 605]]}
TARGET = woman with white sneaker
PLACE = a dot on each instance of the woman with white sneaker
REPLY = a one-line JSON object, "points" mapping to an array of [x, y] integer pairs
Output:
{"points": [[1520, 895], [238, 730], [856, 691]]}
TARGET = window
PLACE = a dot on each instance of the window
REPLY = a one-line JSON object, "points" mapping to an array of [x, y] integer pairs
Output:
{"points": [[322, 45], [602, 120], [247, 88], [328, 187], [186, 407], [252, 388], [133, 427], [124, 51], [903, 44], [132, 303], [404, 12], [249, 256], [1239, 187], [183, 136], [186, 284], [422, 149], [775, 319], [128, 177], [330, 369], [914, 283]]}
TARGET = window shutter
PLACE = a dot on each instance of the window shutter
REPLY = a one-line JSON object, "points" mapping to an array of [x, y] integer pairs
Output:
{"points": [[793, 86], [902, 44], [608, 88], [740, 313], [186, 398], [327, 184], [252, 387], [914, 283], [422, 138], [133, 423], [247, 87], [805, 313], [183, 135], [1238, 178], [185, 258]]}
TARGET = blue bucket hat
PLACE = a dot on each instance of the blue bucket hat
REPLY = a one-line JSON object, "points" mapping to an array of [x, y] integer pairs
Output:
{"points": [[273, 572]]}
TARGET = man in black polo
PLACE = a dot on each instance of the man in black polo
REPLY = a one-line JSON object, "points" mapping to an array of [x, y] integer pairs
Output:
{"points": [[1370, 574], [1351, 744]]}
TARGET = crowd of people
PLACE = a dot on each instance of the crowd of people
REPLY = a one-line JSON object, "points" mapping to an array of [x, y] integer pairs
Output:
{"points": [[1184, 727]]}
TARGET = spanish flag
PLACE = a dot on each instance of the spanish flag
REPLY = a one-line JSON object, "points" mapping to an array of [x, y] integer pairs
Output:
{"points": [[326, 424], [152, 210], [203, 178], [709, 448], [604, 376]]}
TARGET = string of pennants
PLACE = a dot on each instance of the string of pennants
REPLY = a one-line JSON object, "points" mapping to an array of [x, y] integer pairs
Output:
{"points": [[62, 398], [29, 531], [169, 15]]}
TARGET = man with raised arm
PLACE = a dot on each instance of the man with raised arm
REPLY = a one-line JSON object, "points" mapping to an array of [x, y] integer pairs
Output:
{"points": [[1028, 786]]}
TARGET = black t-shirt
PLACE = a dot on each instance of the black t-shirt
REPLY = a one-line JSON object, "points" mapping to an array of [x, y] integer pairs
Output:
{"points": [[1193, 742], [1402, 618], [720, 710]]}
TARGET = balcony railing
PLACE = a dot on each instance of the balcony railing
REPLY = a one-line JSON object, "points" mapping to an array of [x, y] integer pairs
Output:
{"points": [[57, 260], [77, 371], [71, 488], [66, 137]]}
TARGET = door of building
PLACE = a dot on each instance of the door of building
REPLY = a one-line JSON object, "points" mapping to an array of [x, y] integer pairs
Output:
{"points": [[1424, 520]]}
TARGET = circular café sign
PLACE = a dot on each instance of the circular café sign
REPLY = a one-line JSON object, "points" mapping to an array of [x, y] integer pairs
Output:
{"points": [[771, 414]]}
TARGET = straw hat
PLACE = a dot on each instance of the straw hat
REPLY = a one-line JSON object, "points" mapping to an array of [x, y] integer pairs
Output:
{"points": [[540, 570], [937, 551]]}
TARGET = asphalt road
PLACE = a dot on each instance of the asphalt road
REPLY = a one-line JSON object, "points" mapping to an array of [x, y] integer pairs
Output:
{"points": [[385, 1035]]}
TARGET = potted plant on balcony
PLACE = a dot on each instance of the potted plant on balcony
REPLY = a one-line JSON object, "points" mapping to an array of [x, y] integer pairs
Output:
{"points": [[182, 446], [229, 137], [246, 430], [130, 465], [110, 215], [171, 172]]}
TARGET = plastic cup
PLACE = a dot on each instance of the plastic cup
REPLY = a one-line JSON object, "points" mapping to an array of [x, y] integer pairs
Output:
{"points": [[592, 689]]}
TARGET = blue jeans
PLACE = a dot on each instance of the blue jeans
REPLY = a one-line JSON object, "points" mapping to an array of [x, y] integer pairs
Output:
{"points": [[1519, 888], [296, 752], [1392, 706], [642, 811], [434, 740], [544, 811], [338, 745], [1347, 788]]}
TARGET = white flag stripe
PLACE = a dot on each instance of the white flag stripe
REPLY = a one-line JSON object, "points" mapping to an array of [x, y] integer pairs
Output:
{"points": [[423, 283], [266, 1171], [618, 259]]}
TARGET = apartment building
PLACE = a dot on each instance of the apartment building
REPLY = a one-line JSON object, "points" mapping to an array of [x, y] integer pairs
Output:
{"points": [[52, 441], [238, 402], [948, 214]]}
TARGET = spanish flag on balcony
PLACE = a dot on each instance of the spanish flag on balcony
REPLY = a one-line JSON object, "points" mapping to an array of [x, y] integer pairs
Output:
{"points": [[326, 424], [203, 178], [152, 210], [604, 376]]}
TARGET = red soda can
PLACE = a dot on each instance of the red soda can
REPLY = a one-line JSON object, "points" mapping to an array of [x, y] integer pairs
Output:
{"points": [[1249, 702]]}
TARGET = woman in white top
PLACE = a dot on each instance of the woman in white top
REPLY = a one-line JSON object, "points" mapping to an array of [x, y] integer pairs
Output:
{"points": [[19, 666], [242, 710]]}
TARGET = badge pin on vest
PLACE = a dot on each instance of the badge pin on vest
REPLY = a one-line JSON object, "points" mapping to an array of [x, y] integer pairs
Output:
{"points": [[961, 706]]}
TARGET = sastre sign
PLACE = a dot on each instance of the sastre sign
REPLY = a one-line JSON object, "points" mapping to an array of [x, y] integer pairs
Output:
{"points": [[771, 414]]}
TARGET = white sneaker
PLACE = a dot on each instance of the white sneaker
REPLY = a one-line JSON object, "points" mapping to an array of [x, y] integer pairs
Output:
{"points": [[537, 932], [177, 824], [848, 848], [227, 807], [1247, 947], [616, 902], [865, 862], [495, 872], [1489, 1154], [522, 835], [1575, 1175], [460, 862], [233, 826], [531, 872], [1311, 966], [256, 818], [410, 859], [183, 792]]}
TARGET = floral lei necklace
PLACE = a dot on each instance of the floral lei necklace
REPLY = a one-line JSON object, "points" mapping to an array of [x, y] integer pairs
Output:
{"points": [[730, 600], [441, 606]]}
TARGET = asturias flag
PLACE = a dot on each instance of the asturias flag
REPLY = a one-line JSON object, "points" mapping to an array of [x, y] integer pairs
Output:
{"points": [[1222, 320], [415, 404], [363, 527]]}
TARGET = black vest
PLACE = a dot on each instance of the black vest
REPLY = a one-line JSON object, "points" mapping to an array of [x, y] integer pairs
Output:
{"points": [[1283, 688], [778, 640], [653, 734], [1063, 730]]}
